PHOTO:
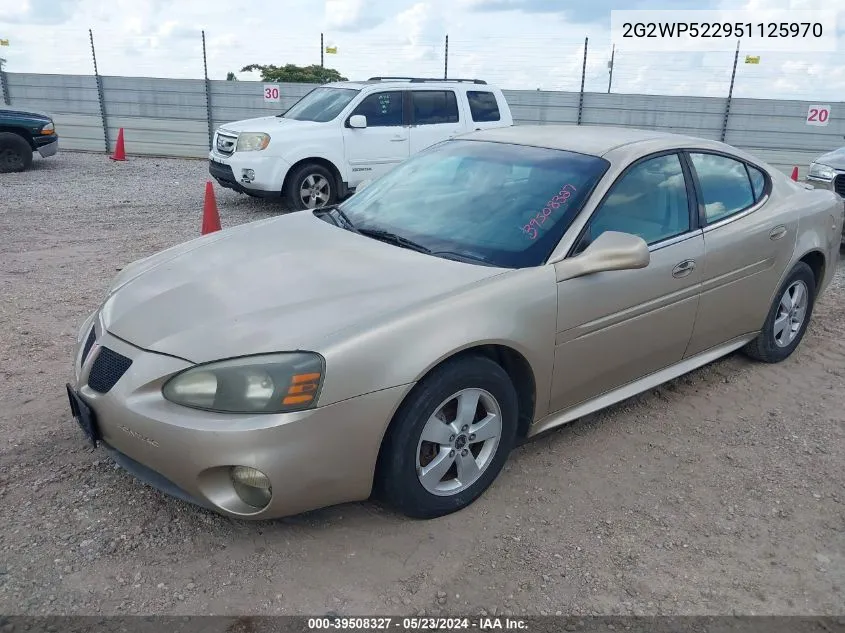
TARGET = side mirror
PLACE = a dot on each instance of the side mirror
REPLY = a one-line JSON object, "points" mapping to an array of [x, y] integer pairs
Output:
{"points": [[609, 251], [358, 121]]}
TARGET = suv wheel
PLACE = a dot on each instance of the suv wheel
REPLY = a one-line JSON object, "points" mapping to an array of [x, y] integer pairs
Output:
{"points": [[310, 187], [15, 153]]}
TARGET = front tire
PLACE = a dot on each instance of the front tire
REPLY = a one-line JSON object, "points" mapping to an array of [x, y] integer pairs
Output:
{"points": [[788, 317], [449, 440], [311, 186], [15, 153]]}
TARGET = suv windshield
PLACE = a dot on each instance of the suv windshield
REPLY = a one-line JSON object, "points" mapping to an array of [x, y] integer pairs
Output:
{"points": [[321, 104], [501, 204]]}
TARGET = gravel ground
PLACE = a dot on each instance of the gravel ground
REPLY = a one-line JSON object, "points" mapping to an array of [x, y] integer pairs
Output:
{"points": [[721, 492]]}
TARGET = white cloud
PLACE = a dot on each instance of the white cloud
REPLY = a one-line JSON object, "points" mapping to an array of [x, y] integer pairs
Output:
{"points": [[513, 49]]}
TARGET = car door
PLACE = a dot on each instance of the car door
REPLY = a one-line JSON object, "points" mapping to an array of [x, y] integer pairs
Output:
{"points": [[748, 244], [434, 117], [615, 327], [384, 143]]}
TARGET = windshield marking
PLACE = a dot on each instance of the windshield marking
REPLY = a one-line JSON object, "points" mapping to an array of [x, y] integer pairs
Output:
{"points": [[555, 202]]}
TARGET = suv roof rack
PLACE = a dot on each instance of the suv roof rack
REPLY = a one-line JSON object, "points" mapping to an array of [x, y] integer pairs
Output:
{"points": [[420, 80]]}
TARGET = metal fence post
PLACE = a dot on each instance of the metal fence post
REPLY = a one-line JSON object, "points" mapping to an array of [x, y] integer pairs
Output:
{"points": [[583, 75], [446, 60], [322, 51], [4, 84], [100, 94], [730, 95], [207, 93]]}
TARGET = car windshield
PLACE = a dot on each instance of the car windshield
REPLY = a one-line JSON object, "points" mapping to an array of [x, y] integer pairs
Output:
{"points": [[321, 104], [500, 204]]}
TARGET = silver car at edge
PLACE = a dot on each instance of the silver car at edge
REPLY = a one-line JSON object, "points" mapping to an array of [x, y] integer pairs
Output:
{"points": [[828, 172], [488, 289]]}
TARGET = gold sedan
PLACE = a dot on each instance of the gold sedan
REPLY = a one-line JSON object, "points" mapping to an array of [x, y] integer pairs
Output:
{"points": [[487, 289]]}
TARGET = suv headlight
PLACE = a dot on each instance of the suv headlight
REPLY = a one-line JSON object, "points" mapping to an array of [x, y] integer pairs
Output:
{"points": [[822, 172], [271, 383], [252, 141], [48, 129]]}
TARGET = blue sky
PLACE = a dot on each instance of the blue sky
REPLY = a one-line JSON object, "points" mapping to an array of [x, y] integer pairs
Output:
{"points": [[514, 43]]}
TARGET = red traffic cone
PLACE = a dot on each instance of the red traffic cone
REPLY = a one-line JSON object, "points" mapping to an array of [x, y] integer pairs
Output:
{"points": [[119, 150], [795, 174], [210, 216]]}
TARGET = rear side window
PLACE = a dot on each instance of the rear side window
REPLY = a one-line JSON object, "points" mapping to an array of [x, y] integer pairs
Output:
{"points": [[431, 107], [483, 106], [758, 182], [725, 185]]}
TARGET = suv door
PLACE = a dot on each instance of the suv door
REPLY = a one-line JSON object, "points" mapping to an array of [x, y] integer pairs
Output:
{"points": [[616, 327], [748, 242], [434, 117], [384, 143]]}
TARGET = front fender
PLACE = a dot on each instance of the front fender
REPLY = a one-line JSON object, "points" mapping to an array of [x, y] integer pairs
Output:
{"points": [[517, 309]]}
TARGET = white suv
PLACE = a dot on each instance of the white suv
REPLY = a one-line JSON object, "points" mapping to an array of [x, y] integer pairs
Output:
{"points": [[343, 133]]}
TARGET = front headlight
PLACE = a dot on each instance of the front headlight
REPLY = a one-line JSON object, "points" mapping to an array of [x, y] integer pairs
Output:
{"points": [[272, 383], [49, 128], [252, 141], [822, 172]]}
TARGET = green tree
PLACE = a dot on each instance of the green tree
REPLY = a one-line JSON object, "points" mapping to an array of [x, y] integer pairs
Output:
{"points": [[291, 73], [231, 77]]}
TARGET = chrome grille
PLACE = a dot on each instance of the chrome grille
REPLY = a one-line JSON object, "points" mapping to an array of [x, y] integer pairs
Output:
{"points": [[225, 143]]}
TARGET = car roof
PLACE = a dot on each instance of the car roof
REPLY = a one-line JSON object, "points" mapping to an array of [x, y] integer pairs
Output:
{"points": [[597, 140]]}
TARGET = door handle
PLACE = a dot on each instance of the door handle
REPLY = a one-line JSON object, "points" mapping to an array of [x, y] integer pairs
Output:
{"points": [[684, 268], [777, 232], [398, 139]]}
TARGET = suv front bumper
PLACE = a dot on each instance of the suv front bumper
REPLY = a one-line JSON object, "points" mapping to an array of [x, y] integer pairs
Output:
{"points": [[260, 176], [47, 145]]}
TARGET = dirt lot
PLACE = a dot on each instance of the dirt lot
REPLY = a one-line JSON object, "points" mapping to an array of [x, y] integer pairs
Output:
{"points": [[722, 492]]}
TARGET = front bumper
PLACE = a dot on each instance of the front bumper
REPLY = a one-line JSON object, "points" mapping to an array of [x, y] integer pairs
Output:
{"points": [[313, 459], [47, 145], [267, 173]]}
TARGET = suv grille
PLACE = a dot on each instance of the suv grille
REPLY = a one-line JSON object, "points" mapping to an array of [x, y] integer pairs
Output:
{"points": [[89, 342], [225, 143], [107, 370], [839, 185]]}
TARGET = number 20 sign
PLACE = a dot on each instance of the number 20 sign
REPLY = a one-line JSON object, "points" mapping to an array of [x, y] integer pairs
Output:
{"points": [[271, 93], [818, 115]]}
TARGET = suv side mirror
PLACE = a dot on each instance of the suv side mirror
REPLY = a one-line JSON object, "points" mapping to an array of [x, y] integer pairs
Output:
{"points": [[358, 121], [611, 250]]}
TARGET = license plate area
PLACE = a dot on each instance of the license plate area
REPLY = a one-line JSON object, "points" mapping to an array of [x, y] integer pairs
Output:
{"points": [[84, 416]]}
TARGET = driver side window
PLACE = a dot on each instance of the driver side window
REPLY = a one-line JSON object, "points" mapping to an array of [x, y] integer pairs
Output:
{"points": [[649, 200], [382, 109]]}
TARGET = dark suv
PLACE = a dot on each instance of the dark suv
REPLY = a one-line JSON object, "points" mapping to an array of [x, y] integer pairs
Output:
{"points": [[21, 134]]}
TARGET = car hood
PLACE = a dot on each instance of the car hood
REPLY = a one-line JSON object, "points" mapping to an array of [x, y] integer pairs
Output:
{"points": [[267, 124], [9, 113], [835, 159], [274, 285]]}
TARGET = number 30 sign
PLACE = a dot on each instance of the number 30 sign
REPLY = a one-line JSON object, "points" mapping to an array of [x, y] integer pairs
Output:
{"points": [[818, 115], [271, 93]]}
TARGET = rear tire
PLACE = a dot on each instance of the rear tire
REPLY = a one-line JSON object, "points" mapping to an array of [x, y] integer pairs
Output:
{"points": [[788, 317], [311, 186], [15, 153], [449, 440]]}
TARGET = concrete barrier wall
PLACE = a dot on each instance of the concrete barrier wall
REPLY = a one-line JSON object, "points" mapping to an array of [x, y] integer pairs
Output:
{"points": [[170, 117]]}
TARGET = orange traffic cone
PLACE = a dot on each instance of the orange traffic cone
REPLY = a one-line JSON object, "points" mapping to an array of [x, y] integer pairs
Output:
{"points": [[795, 174], [210, 216], [119, 150]]}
